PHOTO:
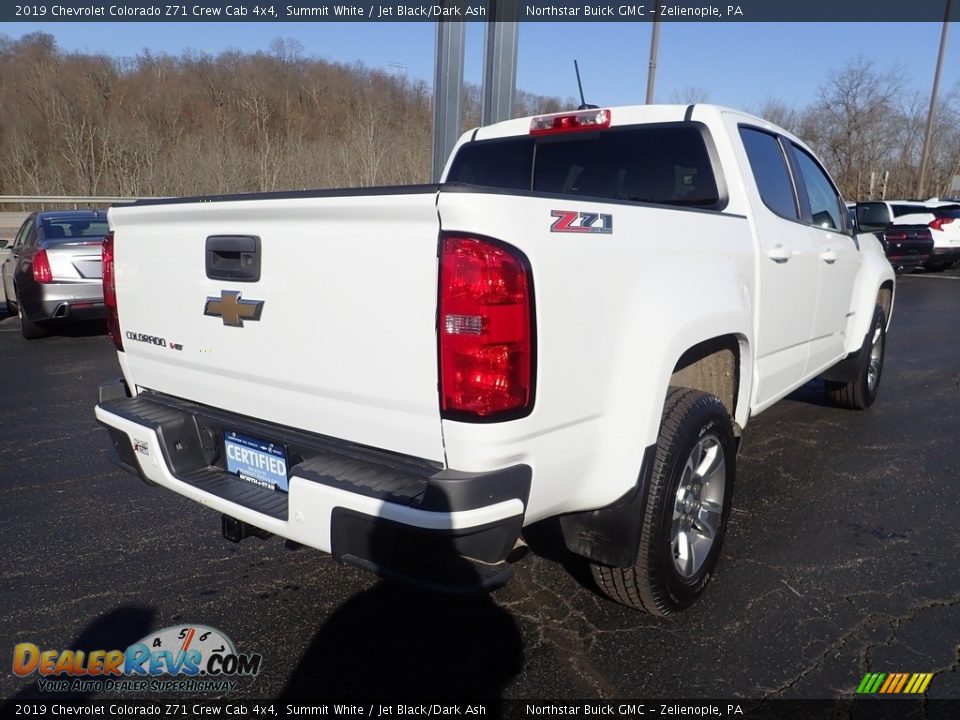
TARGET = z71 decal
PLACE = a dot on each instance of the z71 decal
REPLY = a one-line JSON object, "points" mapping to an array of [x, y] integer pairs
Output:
{"points": [[572, 221]]}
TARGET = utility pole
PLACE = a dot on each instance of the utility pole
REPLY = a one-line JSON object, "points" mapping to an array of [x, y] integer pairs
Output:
{"points": [[654, 45], [925, 155]]}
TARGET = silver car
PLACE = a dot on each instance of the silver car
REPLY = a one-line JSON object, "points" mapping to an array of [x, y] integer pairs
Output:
{"points": [[53, 273]]}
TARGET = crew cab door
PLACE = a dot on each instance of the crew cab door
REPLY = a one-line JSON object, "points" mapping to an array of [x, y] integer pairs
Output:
{"points": [[838, 254], [788, 265]]}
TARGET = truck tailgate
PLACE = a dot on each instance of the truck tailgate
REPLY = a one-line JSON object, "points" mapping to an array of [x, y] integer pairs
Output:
{"points": [[344, 343]]}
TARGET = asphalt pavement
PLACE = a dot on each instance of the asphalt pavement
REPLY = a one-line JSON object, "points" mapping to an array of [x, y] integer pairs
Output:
{"points": [[842, 557]]}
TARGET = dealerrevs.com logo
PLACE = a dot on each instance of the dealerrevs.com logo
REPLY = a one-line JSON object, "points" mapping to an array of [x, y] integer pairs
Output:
{"points": [[192, 658]]}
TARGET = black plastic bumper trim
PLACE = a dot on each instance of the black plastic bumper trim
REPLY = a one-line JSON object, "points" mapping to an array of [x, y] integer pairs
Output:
{"points": [[463, 560], [191, 441], [114, 390], [122, 455], [945, 253]]}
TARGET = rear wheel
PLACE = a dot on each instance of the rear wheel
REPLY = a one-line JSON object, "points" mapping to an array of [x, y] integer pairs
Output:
{"points": [[686, 508], [862, 392], [29, 329]]}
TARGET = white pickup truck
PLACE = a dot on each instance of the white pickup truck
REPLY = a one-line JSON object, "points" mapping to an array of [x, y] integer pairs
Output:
{"points": [[577, 322]]}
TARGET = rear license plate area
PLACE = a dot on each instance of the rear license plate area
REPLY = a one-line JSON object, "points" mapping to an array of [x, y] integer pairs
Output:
{"points": [[259, 462]]}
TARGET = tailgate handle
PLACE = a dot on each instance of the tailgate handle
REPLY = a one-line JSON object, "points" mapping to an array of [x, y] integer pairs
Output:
{"points": [[233, 257]]}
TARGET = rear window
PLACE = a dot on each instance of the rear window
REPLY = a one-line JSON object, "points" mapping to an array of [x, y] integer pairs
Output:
{"points": [[946, 212], [901, 210], [666, 164], [72, 229]]}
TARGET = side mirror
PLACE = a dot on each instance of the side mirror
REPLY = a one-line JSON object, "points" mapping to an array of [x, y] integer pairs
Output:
{"points": [[871, 216]]}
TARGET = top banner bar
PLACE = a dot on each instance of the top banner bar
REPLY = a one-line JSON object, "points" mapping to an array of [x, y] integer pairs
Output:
{"points": [[849, 11]]}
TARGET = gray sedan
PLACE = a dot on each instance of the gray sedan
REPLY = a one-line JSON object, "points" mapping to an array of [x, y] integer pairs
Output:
{"points": [[53, 272]]}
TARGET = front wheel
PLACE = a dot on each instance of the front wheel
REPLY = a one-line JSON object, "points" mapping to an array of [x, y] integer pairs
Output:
{"points": [[686, 508], [861, 393]]}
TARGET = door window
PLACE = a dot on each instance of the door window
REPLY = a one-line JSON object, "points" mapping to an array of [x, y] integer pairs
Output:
{"points": [[825, 203], [769, 168]]}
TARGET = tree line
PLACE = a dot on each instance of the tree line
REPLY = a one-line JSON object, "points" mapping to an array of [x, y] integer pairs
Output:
{"points": [[868, 129], [189, 124], [85, 124]]}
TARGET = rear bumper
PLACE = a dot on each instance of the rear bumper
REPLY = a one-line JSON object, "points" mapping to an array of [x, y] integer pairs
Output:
{"points": [[908, 254], [399, 517], [64, 301], [945, 254]]}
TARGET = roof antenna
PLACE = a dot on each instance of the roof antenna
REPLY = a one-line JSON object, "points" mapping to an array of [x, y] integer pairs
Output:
{"points": [[583, 103]]}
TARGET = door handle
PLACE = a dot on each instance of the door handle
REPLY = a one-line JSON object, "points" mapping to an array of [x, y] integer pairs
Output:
{"points": [[828, 256], [779, 254]]}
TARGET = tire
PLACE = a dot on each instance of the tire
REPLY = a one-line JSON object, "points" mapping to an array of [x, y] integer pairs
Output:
{"points": [[696, 449], [862, 392], [29, 329]]}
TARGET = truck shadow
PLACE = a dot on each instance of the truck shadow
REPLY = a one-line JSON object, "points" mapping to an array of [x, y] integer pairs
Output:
{"points": [[117, 629], [545, 540], [395, 641], [813, 392]]}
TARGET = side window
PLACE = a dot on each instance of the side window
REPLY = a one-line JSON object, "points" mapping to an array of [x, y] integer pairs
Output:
{"points": [[769, 168], [825, 203], [22, 234]]}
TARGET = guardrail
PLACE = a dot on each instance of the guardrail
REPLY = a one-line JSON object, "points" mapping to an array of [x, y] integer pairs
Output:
{"points": [[12, 218], [67, 199]]}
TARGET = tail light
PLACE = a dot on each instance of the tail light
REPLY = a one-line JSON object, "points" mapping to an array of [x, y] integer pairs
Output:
{"points": [[41, 268], [940, 222], [110, 292], [570, 122], [896, 237], [485, 330]]}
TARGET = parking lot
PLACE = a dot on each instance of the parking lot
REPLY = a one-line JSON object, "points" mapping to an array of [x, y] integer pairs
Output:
{"points": [[842, 556]]}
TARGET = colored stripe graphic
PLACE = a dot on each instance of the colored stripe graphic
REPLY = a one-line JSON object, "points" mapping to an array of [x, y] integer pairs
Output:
{"points": [[894, 683]]}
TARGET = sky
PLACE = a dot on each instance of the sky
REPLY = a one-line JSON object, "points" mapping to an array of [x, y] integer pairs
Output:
{"points": [[735, 64]]}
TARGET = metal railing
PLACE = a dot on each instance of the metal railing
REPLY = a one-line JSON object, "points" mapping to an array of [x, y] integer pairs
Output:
{"points": [[66, 199]]}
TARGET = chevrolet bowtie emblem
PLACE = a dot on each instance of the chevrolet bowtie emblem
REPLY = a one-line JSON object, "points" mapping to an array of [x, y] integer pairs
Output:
{"points": [[232, 309]]}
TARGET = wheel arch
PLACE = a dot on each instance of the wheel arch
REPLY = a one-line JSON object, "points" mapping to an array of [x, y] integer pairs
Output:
{"points": [[715, 365]]}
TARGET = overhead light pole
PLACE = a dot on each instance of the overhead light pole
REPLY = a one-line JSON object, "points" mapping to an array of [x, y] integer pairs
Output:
{"points": [[654, 46], [447, 90], [925, 154]]}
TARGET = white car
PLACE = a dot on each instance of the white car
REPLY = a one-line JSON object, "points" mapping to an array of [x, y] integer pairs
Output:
{"points": [[943, 219]]}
